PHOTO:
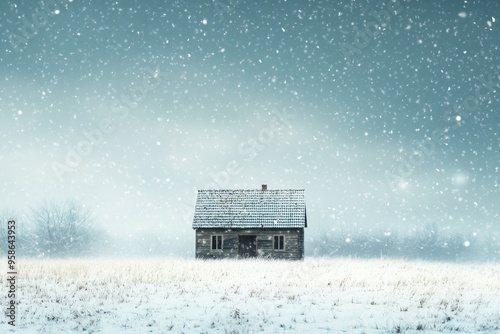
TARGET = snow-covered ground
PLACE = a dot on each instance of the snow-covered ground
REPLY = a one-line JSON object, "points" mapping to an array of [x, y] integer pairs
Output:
{"points": [[313, 296]]}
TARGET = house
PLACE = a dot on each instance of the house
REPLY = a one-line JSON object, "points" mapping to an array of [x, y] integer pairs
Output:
{"points": [[250, 223]]}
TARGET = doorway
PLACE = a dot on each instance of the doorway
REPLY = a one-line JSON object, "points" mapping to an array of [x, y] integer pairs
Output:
{"points": [[247, 246]]}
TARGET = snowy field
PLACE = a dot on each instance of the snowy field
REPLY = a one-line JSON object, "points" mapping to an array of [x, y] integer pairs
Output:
{"points": [[313, 296]]}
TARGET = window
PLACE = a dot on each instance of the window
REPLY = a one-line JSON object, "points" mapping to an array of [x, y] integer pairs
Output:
{"points": [[279, 242], [216, 242]]}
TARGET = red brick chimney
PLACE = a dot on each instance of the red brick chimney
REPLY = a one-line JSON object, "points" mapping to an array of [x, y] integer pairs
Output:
{"points": [[264, 187]]}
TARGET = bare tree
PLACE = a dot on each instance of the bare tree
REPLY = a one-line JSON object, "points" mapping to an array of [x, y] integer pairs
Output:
{"points": [[62, 229]]}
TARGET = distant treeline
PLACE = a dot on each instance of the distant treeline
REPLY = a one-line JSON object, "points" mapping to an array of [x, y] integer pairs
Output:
{"points": [[427, 243]]}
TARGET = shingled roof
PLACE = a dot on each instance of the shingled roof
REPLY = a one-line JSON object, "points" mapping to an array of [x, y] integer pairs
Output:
{"points": [[250, 209]]}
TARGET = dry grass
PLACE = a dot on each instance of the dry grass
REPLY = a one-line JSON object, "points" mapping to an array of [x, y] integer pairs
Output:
{"points": [[248, 296]]}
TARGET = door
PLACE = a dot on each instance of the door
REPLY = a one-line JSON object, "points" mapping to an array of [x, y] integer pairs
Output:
{"points": [[247, 246]]}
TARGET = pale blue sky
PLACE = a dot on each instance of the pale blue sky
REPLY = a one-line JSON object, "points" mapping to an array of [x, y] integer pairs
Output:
{"points": [[215, 83]]}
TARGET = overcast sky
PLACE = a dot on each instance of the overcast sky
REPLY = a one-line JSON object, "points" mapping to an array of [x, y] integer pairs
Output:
{"points": [[387, 114]]}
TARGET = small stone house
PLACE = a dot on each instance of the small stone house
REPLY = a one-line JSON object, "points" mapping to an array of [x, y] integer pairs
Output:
{"points": [[250, 223]]}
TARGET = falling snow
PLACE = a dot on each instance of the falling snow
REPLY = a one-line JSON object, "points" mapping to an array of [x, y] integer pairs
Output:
{"points": [[386, 113], [131, 108]]}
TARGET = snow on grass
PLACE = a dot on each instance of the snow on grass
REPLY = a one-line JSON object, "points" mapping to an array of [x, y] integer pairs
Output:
{"points": [[229, 296]]}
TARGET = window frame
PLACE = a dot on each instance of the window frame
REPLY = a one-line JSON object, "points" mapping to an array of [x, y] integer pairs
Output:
{"points": [[216, 236], [281, 243]]}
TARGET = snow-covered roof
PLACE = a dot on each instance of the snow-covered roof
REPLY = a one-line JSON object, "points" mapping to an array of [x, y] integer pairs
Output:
{"points": [[285, 208]]}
